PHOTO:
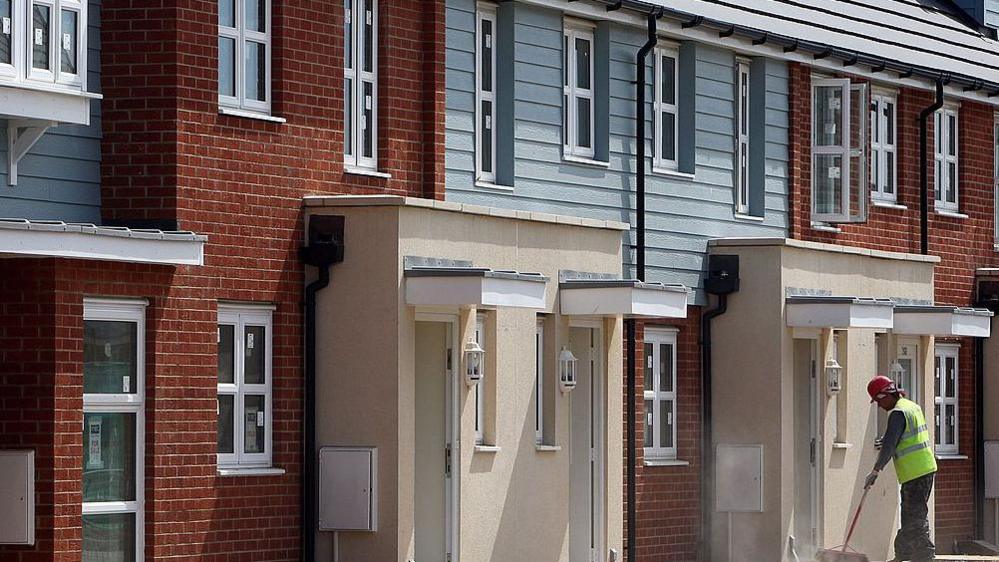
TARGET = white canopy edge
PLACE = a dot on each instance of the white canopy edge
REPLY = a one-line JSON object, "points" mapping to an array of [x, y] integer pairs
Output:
{"points": [[839, 312], [943, 321]]}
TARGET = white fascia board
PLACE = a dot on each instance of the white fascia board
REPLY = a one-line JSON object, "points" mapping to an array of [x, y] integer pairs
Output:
{"points": [[50, 105], [627, 301], [839, 315], [475, 291], [943, 323], [104, 247]]}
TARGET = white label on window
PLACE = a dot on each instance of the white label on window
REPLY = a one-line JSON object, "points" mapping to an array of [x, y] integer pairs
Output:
{"points": [[830, 128], [346, 17], [6, 26], [835, 103], [249, 340], [367, 103], [67, 42], [218, 336], [489, 122], [94, 444], [38, 36], [834, 172], [251, 429], [126, 384], [649, 416], [367, 17], [260, 418], [489, 41], [107, 350]]}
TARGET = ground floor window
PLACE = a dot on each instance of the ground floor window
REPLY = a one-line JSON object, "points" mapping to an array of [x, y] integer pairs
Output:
{"points": [[113, 429], [945, 388], [660, 394]]}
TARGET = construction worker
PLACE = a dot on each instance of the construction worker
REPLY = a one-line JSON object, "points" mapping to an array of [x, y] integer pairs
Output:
{"points": [[906, 441]]}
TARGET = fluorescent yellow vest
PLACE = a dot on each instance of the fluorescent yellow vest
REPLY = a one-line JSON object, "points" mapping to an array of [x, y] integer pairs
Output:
{"points": [[914, 453]]}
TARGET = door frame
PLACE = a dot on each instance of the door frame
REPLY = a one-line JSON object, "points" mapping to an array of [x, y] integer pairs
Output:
{"points": [[598, 380], [452, 485], [816, 431]]}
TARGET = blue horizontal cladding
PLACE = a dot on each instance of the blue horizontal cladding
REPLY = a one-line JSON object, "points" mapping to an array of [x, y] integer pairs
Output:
{"points": [[60, 177], [682, 213]]}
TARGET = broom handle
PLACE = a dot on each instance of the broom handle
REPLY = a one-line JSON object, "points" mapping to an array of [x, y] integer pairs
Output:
{"points": [[856, 516]]}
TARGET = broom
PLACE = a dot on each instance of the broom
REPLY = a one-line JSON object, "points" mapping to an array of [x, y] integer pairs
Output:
{"points": [[841, 555]]}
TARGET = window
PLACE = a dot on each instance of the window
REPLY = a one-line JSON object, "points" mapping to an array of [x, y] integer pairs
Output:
{"points": [[945, 152], [665, 106], [742, 138], [884, 164], [908, 377], [245, 54], [113, 429], [839, 132], [945, 388], [539, 381], [360, 77], [480, 403], [660, 394], [245, 405], [485, 91], [578, 89], [44, 41]]}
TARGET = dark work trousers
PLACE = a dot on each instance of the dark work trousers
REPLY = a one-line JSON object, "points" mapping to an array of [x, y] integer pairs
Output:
{"points": [[913, 539]]}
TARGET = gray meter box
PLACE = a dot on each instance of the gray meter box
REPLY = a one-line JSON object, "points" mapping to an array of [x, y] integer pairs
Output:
{"points": [[17, 497], [739, 479], [348, 489]]}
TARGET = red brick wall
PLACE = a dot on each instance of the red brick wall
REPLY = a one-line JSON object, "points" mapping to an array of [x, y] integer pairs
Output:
{"points": [[962, 244], [668, 497]]}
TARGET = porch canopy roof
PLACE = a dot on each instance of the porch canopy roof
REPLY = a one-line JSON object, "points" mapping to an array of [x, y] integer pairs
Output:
{"points": [[839, 312], [442, 282], [591, 294], [942, 321]]}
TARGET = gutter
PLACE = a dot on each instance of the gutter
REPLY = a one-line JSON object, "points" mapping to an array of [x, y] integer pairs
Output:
{"points": [[924, 187], [640, 69]]}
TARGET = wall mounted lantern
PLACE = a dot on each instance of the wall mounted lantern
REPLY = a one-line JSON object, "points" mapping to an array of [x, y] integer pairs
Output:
{"points": [[474, 358], [566, 370], [834, 376]]}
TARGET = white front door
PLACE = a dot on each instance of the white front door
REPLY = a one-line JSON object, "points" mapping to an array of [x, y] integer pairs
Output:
{"points": [[807, 456], [585, 441]]}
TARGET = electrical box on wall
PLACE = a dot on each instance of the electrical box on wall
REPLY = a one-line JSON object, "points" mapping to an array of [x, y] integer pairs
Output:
{"points": [[348, 489], [739, 479], [17, 497]]}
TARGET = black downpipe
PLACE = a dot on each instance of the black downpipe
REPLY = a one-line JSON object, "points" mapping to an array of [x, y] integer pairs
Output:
{"points": [[640, 69], [980, 438], [706, 461], [924, 182]]}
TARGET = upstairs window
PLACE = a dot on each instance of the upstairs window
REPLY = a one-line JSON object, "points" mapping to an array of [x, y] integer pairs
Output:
{"points": [[839, 146], [360, 77], [945, 155], [665, 108], [742, 138], [44, 41], [660, 395], [577, 108], [485, 94], [884, 163], [245, 55]]}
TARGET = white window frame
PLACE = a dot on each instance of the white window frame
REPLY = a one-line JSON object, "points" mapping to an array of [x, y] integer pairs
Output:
{"points": [[123, 311], [881, 190], [660, 107], [942, 158], [742, 132], [21, 26], [846, 150], [479, 398], [995, 181], [573, 30], [943, 352], [485, 124], [539, 382], [240, 316], [908, 349], [353, 70], [658, 337], [241, 35]]}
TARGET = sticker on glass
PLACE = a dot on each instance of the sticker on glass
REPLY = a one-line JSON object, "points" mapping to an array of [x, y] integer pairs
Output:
{"points": [[94, 443], [260, 418], [367, 17], [67, 42], [6, 26], [107, 350], [126, 384], [38, 36], [249, 340], [830, 128], [367, 102], [835, 103], [489, 41], [834, 173]]}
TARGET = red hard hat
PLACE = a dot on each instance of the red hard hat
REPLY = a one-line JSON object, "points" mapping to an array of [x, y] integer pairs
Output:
{"points": [[880, 385]]}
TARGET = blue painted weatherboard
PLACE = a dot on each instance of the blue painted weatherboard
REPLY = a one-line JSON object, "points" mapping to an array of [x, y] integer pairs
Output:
{"points": [[60, 177], [682, 214]]}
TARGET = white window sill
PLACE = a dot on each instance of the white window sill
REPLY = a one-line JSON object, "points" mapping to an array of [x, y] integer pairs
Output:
{"points": [[665, 462], [490, 449], [823, 227], [366, 172], [49, 88], [842, 445], [675, 174], [745, 217], [888, 205], [491, 185], [585, 161], [951, 457], [223, 110], [542, 448], [996, 246], [250, 471], [950, 214]]}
